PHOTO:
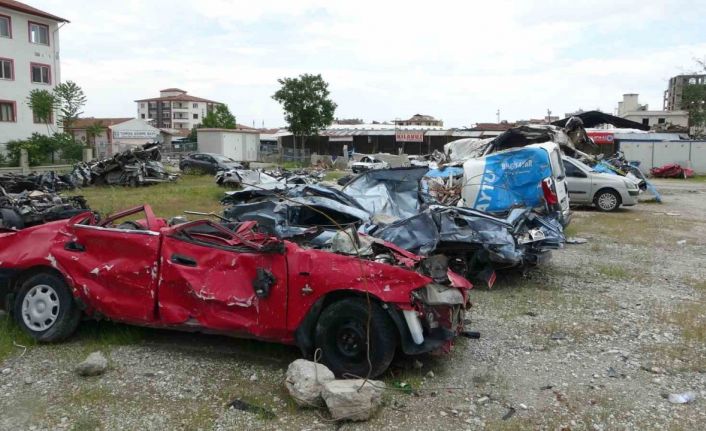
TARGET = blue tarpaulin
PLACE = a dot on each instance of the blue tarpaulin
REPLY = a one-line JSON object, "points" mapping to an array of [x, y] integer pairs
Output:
{"points": [[508, 179]]}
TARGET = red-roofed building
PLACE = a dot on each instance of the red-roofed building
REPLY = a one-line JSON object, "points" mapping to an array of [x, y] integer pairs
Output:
{"points": [[174, 109], [29, 60]]}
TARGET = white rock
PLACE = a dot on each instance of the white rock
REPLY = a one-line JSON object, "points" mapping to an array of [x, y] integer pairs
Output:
{"points": [[6, 371], [304, 381], [253, 378], [352, 399], [94, 365]]}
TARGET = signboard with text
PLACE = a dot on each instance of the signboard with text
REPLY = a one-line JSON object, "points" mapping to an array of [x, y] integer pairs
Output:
{"points": [[601, 138], [409, 136], [134, 134]]}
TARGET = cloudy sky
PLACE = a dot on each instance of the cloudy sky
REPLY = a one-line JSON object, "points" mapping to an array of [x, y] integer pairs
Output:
{"points": [[457, 60]]}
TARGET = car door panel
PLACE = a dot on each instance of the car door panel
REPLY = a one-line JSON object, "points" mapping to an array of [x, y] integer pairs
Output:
{"points": [[215, 287], [579, 184], [114, 270]]}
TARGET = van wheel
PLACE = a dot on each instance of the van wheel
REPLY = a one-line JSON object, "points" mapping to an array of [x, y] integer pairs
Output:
{"points": [[341, 334], [607, 200], [45, 308]]}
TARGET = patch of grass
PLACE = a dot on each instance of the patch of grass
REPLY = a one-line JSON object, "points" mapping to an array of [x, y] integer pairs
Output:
{"points": [[689, 318], [614, 271], [334, 175], [11, 334], [87, 423], [190, 192], [635, 228], [102, 335], [677, 357]]}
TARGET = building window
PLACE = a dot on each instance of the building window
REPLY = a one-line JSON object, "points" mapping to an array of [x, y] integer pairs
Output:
{"points": [[143, 116], [661, 121], [196, 116], [41, 73], [7, 69], [645, 121], [142, 105], [5, 26], [38, 33], [7, 111], [195, 106]]}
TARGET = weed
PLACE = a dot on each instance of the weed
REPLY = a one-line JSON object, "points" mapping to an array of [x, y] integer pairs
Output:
{"points": [[87, 423], [102, 335], [334, 175], [10, 336], [614, 271]]}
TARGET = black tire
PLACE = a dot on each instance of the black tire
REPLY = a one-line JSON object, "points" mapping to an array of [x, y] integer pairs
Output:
{"points": [[607, 200], [341, 336], [67, 316]]}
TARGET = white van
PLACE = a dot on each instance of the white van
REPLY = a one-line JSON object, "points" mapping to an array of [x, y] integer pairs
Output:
{"points": [[528, 176]]}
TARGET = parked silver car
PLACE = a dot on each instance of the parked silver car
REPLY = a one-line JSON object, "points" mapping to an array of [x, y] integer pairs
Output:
{"points": [[606, 191]]}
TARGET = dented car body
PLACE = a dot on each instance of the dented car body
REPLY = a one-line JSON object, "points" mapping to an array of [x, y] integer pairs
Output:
{"points": [[229, 279]]}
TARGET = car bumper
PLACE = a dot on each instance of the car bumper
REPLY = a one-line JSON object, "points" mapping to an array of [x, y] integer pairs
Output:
{"points": [[630, 198]]}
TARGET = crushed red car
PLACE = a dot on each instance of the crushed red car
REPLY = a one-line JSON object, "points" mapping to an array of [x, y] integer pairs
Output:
{"points": [[229, 279], [672, 170]]}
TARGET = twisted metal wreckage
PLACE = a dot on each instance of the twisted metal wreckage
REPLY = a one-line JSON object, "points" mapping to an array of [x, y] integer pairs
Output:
{"points": [[133, 167], [415, 210], [28, 200]]}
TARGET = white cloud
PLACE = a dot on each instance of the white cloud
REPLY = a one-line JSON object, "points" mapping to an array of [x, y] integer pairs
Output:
{"points": [[457, 60]]}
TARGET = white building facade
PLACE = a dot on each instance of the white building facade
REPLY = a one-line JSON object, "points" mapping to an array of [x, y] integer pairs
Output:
{"points": [[630, 109], [29, 59], [174, 109]]}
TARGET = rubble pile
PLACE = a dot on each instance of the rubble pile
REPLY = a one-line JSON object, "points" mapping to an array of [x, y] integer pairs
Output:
{"points": [[134, 167], [46, 181], [238, 178], [33, 207]]}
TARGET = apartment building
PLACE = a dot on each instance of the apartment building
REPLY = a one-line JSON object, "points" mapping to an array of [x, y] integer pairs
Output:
{"points": [[675, 89], [29, 59], [174, 109]]}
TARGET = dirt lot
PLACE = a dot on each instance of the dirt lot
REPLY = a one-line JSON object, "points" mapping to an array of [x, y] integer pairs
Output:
{"points": [[591, 341]]}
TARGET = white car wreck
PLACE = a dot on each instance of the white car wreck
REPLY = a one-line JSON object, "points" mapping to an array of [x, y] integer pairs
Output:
{"points": [[368, 163]]}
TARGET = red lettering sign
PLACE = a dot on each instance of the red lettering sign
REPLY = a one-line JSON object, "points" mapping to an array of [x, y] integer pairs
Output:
{"points": [[407, 136], [601, 138]]}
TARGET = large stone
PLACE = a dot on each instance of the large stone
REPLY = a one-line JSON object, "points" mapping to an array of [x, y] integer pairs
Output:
{"points": [[94, 365], [305, 380], [351, 399]]}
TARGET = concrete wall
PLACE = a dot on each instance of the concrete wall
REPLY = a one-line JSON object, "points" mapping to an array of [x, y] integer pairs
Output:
{"points": [[22, 53], [658, 153]]}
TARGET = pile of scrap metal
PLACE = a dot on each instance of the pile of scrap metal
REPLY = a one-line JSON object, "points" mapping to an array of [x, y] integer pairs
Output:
{"points": [[485, 205], [394, 206], [45, 181], [32, 207], [134, 167], [237, 178]]}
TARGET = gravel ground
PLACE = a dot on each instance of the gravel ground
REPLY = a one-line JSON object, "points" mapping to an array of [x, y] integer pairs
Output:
{"points": [[594, 340]]}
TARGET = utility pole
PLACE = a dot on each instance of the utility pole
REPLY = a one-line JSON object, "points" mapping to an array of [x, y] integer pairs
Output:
{"points": [[549, 116], [498, 115]]}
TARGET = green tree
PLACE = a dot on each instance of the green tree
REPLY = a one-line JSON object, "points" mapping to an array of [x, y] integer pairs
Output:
{"points": [[93, 131], [219, 118], [306, 103], [70, 100], [70, 149], [42, 103]]}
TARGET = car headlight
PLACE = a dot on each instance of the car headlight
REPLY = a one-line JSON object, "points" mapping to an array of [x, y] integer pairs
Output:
{"points": [[630, 185]]}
